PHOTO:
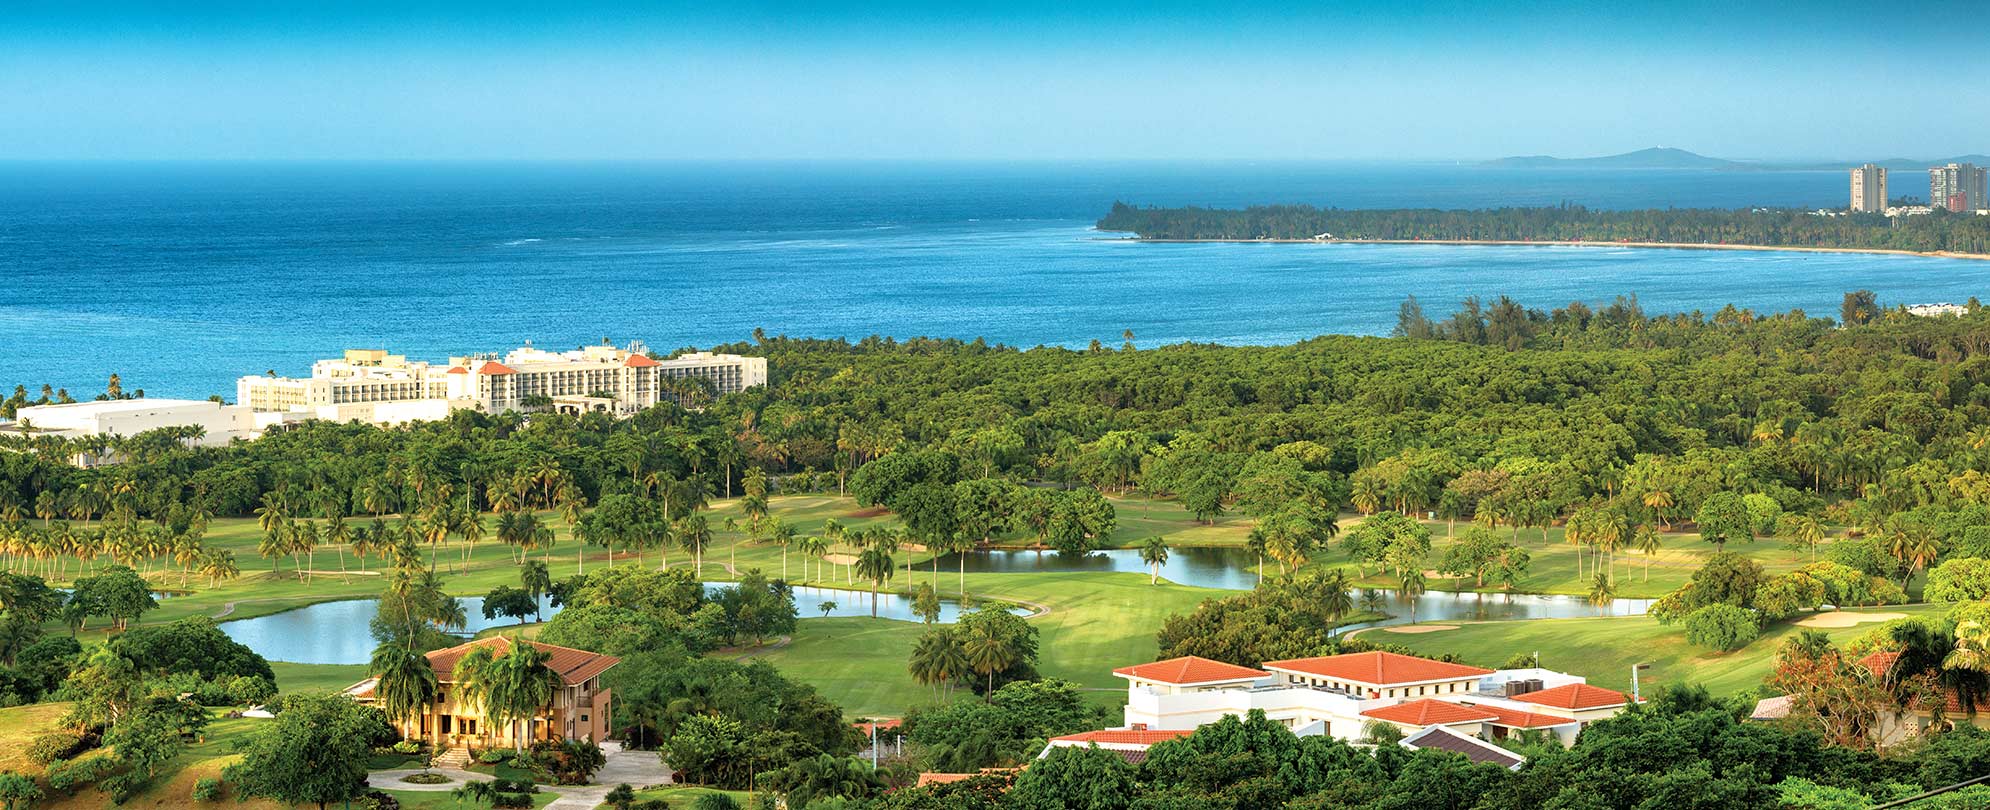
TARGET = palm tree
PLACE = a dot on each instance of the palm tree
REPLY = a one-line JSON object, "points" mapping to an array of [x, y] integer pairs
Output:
{"points": [[537, 581], [815, 547], [928, 663], [218, 565], [1337, 598], [1914, 549], [1659, 501], [1648, 542], [305, 538], [406, 685], [826, 608], [784, 535], [1411, 580], [1601, 592], [1972, 648], [1154, 552], [1808, 531], [509, 687], [988, 653], [338, 533], [876, 565], [694, 534]]}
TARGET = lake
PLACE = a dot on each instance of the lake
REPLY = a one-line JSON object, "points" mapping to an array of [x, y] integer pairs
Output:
{"points": [[242, 268], [337, 632], [1231, 568]]}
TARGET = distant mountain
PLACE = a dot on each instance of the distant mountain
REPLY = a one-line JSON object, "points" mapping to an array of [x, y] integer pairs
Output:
{"points": [[1657, 157], [1660, 157]]}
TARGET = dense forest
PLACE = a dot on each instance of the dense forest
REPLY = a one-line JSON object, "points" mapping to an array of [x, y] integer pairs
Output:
{"points": [[1779, 227], [1509, 415]]}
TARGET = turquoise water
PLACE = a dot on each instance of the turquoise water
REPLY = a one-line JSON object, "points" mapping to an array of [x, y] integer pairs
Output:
{"points": [[182, 277]]}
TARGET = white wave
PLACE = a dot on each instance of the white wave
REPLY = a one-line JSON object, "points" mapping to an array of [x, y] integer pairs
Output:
{"points": [[517, 242]]}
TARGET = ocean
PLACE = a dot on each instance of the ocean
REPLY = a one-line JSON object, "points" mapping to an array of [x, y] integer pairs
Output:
{"points": [[181, 277]]}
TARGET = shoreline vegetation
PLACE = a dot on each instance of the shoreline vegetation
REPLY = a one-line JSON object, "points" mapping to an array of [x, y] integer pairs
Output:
{"points": [[1578, 243], [1939, 234]]}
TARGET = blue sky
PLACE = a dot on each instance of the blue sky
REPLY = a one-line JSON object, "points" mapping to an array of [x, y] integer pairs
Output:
{"points": [[1054, 81]]}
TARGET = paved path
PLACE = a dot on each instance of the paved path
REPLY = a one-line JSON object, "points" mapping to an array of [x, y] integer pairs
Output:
{"points": [[638, 769]]}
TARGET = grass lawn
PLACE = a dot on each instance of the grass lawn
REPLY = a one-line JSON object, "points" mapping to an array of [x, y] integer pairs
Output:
{"points": [[441, 800], [172, 788], [1096, 622], [684, 795], [316, 677], [1603, 650]]}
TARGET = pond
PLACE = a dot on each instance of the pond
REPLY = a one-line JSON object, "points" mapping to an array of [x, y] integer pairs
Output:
{"points": [[338, 632], [1232, 569]]}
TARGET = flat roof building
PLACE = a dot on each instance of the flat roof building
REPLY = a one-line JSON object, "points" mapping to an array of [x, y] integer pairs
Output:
{"points": [[1957, 187], [216, 424], [371, 385]]}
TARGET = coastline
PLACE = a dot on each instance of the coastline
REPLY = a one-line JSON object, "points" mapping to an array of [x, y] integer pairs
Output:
{"points": [[1925, 254]]}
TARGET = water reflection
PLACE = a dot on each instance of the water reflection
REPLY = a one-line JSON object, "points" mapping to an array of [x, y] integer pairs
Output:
{"points": [[1233, 569], [339, 632]]}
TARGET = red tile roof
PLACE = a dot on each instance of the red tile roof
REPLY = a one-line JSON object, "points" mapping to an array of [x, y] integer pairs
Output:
{"points": [[495, 367], [1190, 669], [640, 361], [1379, 668], [1114, 736], [1880, 663], [1515, 718], [457, 370], [1428, 712], [1576, 696], [574, 666]]}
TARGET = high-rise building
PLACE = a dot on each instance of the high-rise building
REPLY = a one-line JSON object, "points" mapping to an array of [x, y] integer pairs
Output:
{"points": [[1868, 189], [1957, 187]]}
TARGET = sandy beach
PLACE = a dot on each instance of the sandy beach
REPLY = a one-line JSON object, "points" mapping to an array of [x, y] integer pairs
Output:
{"points": [[1937, 254]]}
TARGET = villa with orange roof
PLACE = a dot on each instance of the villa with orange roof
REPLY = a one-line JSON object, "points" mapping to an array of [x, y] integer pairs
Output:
{"points": [[579, 710], [1343, 695]]}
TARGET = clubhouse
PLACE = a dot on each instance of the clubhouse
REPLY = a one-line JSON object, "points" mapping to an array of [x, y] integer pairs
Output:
{"points": [[579, 711], [1435, 703]]}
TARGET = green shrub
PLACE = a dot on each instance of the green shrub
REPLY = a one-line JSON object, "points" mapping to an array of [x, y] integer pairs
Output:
{"points": [[69, 775], [18, 791], [56, 745], [1722, 626], [715, 801], [425, 779], [207, 790], [511, 800], [407, 747], [491, 757]]}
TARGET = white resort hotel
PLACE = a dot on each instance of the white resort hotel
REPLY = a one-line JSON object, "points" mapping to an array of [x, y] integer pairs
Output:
{"points": [[1436, 704], [370, 385]]}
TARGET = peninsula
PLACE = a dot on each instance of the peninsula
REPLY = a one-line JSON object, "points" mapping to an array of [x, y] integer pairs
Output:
{"points": [[1949, 235]]}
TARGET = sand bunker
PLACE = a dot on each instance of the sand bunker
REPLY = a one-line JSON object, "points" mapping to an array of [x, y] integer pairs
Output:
{"points": [[1841, 619], [1419, 628]]}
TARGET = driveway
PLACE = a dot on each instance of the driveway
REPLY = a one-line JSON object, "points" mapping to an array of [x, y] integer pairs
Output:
{"points": [[638, 769]]}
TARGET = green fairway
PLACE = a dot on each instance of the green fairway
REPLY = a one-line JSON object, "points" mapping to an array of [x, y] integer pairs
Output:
{"points": [[1094, 623], [1603, 650], [316, 677]]}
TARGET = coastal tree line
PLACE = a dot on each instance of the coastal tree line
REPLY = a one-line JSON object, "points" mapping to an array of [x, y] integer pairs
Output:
{"points": [[1774, 227]]}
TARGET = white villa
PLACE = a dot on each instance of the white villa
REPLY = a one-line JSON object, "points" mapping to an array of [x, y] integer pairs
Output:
{"points": [[370, 385], [1341, 695]]}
